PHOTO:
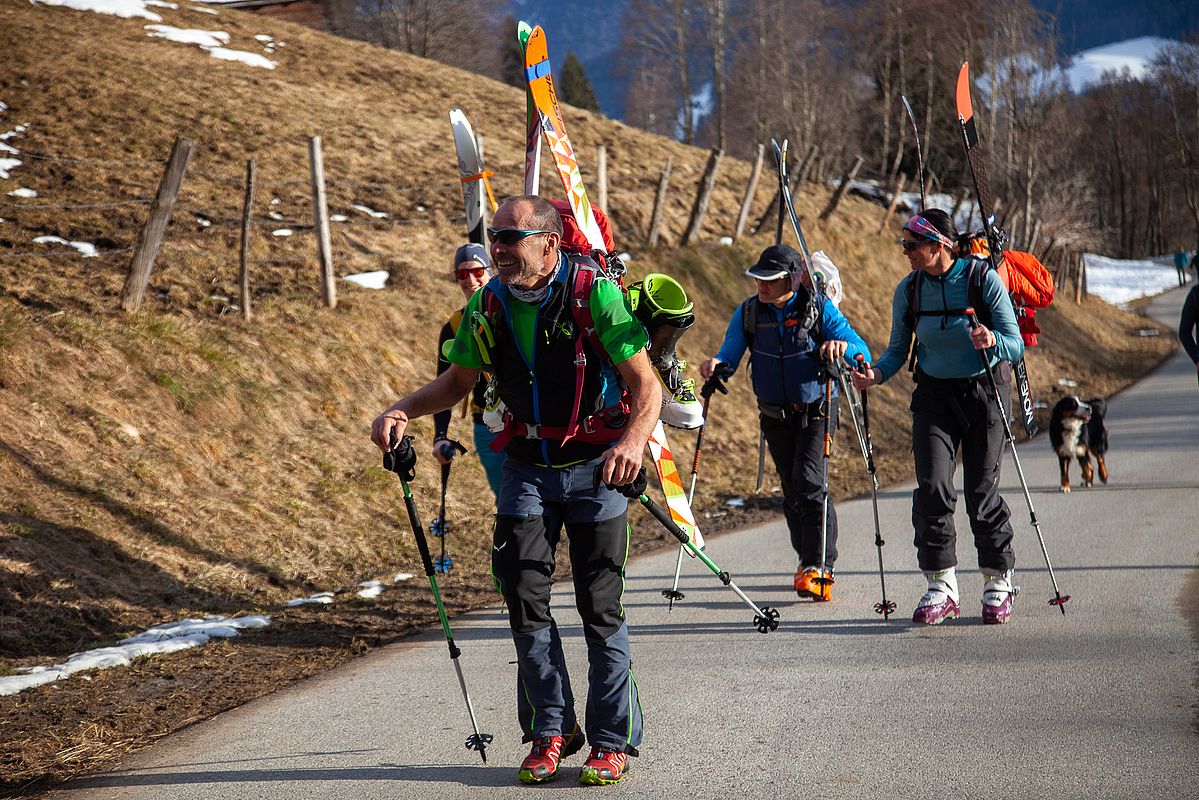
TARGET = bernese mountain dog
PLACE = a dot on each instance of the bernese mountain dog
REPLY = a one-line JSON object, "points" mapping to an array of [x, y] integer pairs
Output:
{"points": [[1077, 430]]}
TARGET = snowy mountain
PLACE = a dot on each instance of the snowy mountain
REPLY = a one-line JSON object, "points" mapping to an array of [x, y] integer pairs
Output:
{"points": [[1132, 56]]}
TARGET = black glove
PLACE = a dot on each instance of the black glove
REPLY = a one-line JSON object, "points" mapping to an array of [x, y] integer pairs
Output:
{"points": [[716, 383], [401, 459], [631, 490]]}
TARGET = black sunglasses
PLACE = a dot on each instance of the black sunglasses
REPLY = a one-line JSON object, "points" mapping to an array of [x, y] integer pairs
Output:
{"points": [[910, 246], [510, 236]]}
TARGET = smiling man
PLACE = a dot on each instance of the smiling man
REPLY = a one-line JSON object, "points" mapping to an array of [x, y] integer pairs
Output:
{"points": [[790, 331], [570, 364]]}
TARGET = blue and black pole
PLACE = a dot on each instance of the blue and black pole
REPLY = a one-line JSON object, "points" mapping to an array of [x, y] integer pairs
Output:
{"points": [[440, 527]]}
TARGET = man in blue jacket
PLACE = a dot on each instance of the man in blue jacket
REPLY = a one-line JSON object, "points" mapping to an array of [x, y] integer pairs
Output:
{"points": [[791, 333]]}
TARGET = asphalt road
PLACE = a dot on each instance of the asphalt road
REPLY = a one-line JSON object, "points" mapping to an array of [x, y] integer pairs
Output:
{"points": [[837, 703]]}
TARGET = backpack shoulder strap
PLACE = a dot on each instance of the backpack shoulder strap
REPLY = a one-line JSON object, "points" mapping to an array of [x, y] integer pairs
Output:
{"points": [[749, 318], [913, 313]]}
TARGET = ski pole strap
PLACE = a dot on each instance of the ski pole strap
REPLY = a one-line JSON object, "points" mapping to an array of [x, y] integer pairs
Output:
{"points": [[482, 176]]}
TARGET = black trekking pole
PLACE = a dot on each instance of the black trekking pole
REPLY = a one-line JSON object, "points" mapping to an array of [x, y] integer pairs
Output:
{"points": [[1059, 599], [919, 152], [401, 460], [766, 619], [712, 385], [824, 580], [885, 607], [439, 527]]}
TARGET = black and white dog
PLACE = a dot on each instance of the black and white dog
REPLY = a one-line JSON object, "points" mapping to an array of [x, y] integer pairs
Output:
{"points": [[1077, 430]]}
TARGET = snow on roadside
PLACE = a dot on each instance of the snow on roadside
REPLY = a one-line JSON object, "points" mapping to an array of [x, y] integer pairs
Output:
{"points": [[1120, 281], [159, 639], [369, 280]]}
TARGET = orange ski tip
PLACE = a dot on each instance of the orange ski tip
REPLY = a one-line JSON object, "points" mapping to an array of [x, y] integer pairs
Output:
{"points": [[965, 111]]}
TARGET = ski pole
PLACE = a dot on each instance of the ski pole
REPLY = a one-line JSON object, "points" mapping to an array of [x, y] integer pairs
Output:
{"points": [[885, 607], [782, 171], [766, 619], [401, 459], [823, 579], [439, 527], [761, 461], [1059, 599], [712, 385]]}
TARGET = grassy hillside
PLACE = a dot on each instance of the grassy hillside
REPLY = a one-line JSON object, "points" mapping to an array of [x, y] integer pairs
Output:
{"points": [[182, 462]]}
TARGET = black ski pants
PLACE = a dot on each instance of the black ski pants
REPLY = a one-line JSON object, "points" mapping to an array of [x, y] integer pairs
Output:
{"points": [[796, 443], [948, 415]]}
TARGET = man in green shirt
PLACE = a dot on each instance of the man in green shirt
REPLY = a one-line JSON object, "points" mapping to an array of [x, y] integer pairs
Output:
{"points": [[571, 367]]}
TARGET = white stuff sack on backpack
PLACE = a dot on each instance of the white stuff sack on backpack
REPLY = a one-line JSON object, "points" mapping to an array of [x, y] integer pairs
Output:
{"points": [[828, 274]]}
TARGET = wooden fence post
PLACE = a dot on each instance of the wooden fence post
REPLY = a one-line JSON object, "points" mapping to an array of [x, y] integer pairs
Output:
{"points": [[150, 238], [901, 180], [246, 313], [320, 212], [602, 177], [848, 177], [655, 220], [750, 190], [703, 194]]}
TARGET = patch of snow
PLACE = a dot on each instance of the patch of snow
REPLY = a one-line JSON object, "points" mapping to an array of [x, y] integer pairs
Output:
{"points": [[3, 106], [370, 589], [735, 502], [86, 249], [320, 598], [8, 148], [400, 577], [370, 211], [338, 218], [1131, 57], [1122, 281], [202, 221], [8, 163], [1067, 383], [275, 215], [245, 57], [161, 4], [22, 192], [282, 232], [1148, 332], [212, 11], [189, 35], [726, 240], [159, 639], [263, 37], [369, 280], [117, 8], [275, 201]]}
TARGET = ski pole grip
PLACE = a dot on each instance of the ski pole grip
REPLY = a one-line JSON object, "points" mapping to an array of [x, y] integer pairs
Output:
{"points": [[631, 490], [401, 458], [973, 317]]}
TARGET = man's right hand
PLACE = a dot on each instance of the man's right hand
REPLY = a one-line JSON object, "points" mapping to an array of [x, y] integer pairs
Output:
{"points": [[388, 427], [864, 379], [708, 366]]}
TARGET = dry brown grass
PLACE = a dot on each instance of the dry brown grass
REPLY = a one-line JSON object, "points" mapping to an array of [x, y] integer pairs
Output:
{"points": [[181, 461]]}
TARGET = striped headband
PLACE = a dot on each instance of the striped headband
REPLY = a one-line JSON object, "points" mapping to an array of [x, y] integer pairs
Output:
{"points": [[922, 227]]}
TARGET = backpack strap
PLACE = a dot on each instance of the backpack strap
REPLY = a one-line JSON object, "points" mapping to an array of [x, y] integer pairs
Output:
{"points": [[580, 282], [749, 319]]}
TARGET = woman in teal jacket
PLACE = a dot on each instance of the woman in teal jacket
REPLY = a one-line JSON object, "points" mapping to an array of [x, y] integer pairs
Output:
{"points": [[953, 407]]}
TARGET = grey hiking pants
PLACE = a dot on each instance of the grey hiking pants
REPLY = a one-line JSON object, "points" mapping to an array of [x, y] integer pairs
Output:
{"points": [[946, 415], [533, 506]]}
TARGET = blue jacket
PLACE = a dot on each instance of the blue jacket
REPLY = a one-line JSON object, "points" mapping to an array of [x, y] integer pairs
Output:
{"points": [[943, 347], [785, 368]]}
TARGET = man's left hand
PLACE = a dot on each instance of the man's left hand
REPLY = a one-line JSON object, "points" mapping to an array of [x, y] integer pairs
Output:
{"points": [[833, 350], [620, 464], [982, 337]]}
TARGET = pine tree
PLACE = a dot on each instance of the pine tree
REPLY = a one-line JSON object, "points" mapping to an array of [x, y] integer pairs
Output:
{"points": [[575, 89]]}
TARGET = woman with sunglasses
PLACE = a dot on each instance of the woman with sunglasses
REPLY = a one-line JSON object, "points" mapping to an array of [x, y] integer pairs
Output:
{"points": [[953, 406], [472, 270]]}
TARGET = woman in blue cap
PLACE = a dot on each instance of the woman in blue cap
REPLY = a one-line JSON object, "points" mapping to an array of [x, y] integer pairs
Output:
{"points": [[953, 406], [472, 270]]}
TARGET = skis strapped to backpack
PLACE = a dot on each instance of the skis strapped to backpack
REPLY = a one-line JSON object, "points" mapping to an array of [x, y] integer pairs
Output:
{"points": [[532, 123], [982, 192], [474, 178], [541, 87]]}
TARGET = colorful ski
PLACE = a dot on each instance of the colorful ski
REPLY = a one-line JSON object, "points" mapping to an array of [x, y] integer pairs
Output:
{"points": [[472, 175], [672, 486], [532, 123], [982, 191], [919, 153], [541, 86]]}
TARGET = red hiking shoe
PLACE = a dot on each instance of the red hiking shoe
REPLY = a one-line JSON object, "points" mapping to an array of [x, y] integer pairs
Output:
{"points": [[541, 764], [603, 767]]}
